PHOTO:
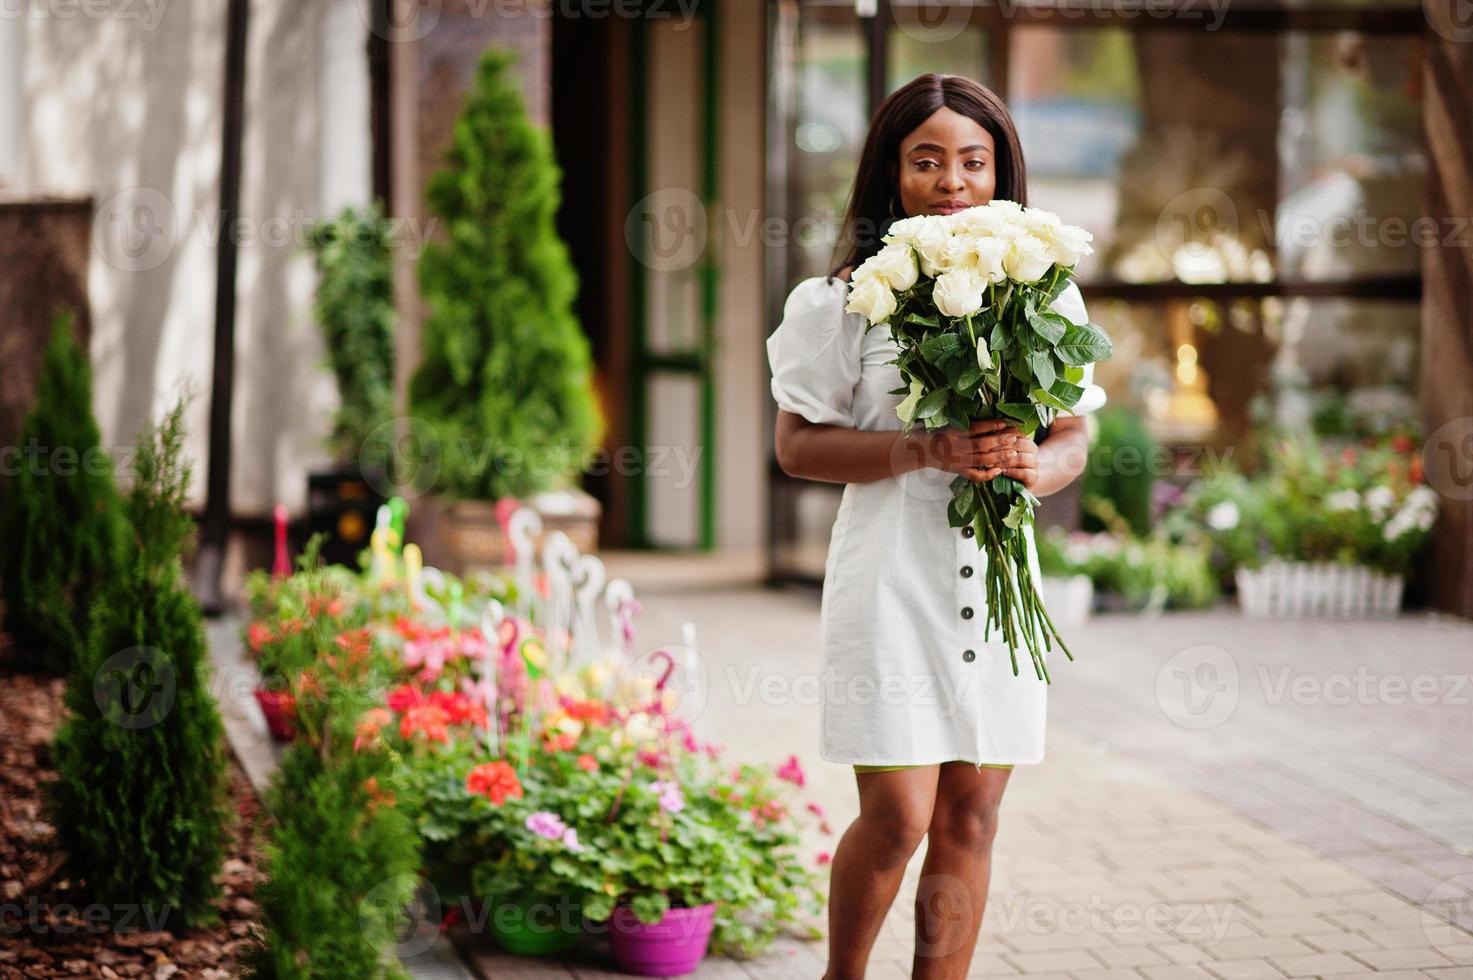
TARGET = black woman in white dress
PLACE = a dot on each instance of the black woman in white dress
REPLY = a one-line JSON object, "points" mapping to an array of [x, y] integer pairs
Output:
{"points": [[929, 713]]}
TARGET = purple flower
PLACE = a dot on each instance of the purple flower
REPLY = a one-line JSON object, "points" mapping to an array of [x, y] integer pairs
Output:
{"points": [[570, 838], [545, 824]]}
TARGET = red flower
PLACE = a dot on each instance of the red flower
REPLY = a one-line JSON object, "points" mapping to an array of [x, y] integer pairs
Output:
{"points": [[258, 635], [429, 719], [459, 708], [587, 762], [495, 780], [404, 697], [824, 857], [587, 710]]}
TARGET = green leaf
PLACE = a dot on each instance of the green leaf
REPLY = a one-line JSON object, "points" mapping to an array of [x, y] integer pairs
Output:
{"points": [[1020, 514], [906, 410], [1042, 364], [1050, 326], [984, 358], [1018, 410], [1000, 339], [932, 403], [1073, 373], [940, 345], [1083, 343], [919, 320]]}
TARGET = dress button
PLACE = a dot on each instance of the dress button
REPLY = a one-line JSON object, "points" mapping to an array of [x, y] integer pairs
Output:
{"points": [[966, 571], [966, 612], [969, 655], [967, 531]]}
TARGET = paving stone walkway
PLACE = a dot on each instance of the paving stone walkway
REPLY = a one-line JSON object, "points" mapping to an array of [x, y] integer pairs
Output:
{"points": [[1221, 798]]}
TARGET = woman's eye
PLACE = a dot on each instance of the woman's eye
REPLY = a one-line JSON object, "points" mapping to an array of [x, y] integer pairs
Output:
{"points": [[979, 163]]}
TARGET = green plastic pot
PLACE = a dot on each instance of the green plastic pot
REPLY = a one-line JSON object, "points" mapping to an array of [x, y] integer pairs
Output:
{"points": [[534, 925]]}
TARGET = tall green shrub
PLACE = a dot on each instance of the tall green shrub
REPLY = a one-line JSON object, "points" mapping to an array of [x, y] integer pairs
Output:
{"points": [[342, 854], [61, 521], [140, 805], [507, 369], [1123, 463], [354, 307]]}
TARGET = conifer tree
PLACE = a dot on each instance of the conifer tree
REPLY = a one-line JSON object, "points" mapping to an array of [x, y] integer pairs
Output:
{"points": [[506, 374], [61, 521], [140, 805]]}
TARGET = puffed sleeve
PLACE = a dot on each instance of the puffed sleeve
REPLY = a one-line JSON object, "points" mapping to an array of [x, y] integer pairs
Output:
{"points": [[814, 353], [1071, 304]]}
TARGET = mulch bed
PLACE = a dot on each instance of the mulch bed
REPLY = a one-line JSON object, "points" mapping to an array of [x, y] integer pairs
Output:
{"points": [[42, 931]]}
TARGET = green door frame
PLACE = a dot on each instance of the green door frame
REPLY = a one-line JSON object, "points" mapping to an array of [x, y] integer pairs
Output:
{"points": [[700, 361]]}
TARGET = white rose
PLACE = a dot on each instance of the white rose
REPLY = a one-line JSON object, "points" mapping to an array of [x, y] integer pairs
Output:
{"points": [[960, 251], [871, 298], [906, 229], [1027, 259], [930, 245], [896, 264], [959, 292], [1069, 244], [980, 221], [990, 255]]}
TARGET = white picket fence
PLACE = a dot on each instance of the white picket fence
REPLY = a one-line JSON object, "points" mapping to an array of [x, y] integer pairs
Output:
{"points": [[1321, 589]]}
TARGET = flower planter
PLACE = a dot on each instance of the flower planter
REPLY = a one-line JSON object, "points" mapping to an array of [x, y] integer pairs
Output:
{"points": [[277, 706], [669, 948], [475, 539], [1305, 590], [533, 925], [1068, 599]]}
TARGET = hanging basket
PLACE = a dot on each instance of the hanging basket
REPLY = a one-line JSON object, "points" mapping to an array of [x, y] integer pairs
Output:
{"points": [[1318, 589]]}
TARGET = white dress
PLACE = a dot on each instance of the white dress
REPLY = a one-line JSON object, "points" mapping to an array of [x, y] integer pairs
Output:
{"points": [[907, 677]]}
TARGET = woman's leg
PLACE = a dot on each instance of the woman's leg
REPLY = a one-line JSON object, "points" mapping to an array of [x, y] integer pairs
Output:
{"points": [[894, 812], [952, 893]]}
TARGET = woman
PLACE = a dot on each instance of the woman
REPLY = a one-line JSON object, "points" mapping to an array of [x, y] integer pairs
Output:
{"points": [[929, 713]]}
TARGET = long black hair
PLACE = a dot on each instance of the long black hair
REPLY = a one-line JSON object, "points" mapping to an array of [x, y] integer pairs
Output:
{"points": [[874, 201]]}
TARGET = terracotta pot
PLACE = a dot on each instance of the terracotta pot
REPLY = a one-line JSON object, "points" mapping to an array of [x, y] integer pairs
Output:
{"points": [[474, 538]]}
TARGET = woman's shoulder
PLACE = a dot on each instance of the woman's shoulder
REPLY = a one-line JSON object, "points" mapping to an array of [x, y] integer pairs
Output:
{"points": [[816, 293]]}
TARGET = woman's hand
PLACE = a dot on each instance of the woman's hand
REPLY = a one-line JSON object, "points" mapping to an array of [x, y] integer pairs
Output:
{"points": [[985, 450]]}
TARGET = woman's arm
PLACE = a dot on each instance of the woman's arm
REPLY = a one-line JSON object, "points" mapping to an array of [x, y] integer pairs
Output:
{"points": [[834, 454]]}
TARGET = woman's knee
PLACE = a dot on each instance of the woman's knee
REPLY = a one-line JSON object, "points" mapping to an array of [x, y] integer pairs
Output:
{"points": [[896, 830], [970, 826]]}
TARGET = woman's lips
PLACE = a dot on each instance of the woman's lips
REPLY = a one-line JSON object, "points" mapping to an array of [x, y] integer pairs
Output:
{"points": [[950, 207]]}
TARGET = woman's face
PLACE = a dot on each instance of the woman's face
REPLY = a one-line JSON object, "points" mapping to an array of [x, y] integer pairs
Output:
{"points": [[946, 164]]}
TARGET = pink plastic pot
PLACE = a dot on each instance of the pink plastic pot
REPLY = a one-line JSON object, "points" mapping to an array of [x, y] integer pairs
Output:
{"points": [[673, 946], [278, 707]]}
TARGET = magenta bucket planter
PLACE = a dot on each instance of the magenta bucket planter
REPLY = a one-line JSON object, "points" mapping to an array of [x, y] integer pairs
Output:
{"points": [[278, 707], [669, 948]]}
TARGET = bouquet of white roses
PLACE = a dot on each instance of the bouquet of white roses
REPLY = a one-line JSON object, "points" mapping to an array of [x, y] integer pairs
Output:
{"points": [[967, 296]]}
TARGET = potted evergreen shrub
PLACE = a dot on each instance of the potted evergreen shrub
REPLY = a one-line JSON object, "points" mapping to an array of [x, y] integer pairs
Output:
{"points": [[505, 383], [354, 307]]}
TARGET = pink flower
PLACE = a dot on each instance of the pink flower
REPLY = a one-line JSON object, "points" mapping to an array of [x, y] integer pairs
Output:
{"points": [[792, 771], [816, 809], [545, 824], [824, 857], [570, 838], [670, 795]]}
